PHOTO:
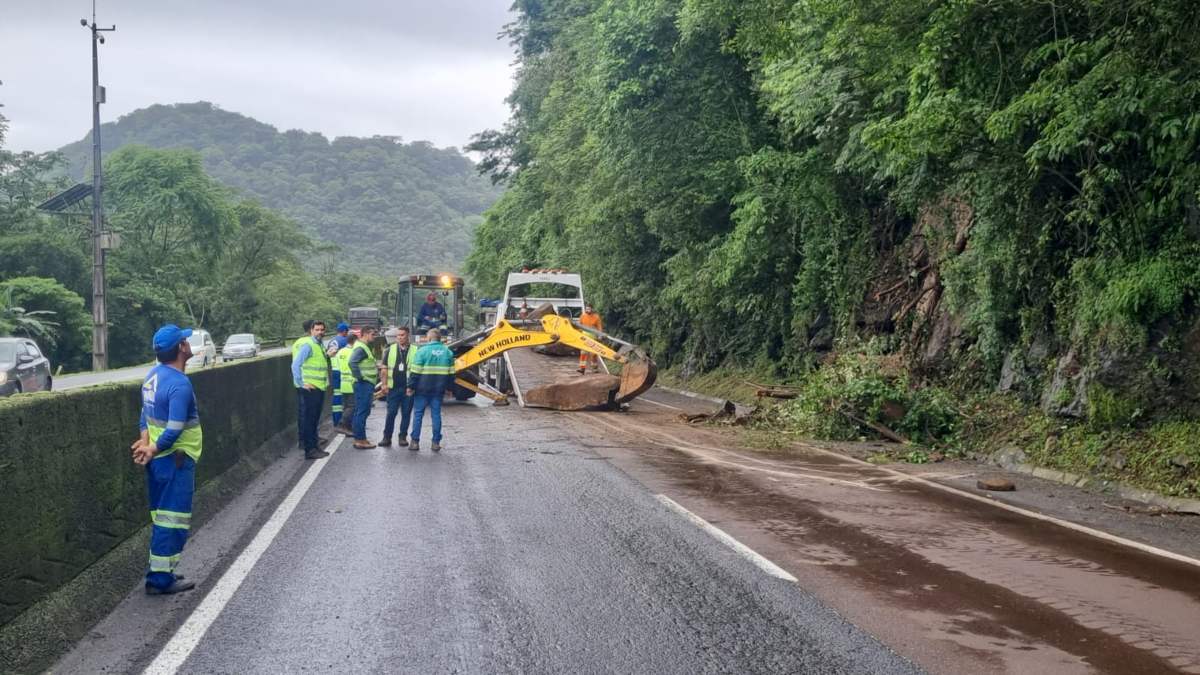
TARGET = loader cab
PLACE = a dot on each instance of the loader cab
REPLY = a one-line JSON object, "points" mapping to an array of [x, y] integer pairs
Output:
{"points": [[533, 288], [448, 292]]}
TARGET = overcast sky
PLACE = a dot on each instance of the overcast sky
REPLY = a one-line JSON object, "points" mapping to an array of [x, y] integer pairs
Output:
{"points": [[421, 69]]}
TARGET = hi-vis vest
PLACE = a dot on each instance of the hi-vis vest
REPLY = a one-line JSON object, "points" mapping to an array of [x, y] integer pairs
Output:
{"points": [[341, 361], [389, 360], [367, 365], [315, 369]]}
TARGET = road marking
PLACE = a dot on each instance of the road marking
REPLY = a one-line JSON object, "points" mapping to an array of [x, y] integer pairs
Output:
{"points": [[740, 548], [900, 476], [181, 645], [1084, 529], [744, 464], [662, 404]]}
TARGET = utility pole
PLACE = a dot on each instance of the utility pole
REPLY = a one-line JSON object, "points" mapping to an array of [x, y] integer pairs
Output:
{"points": [[99, 236]]}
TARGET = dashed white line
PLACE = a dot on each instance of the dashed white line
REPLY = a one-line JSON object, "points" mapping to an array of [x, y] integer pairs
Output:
{"points": [[721, 536], [181, 645]]}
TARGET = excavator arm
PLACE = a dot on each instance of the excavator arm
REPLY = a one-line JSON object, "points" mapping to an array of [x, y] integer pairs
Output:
{"points": [[638, 371]]}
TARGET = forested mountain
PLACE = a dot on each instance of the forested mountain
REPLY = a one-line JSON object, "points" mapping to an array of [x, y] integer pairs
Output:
{"points": [[405, 206]]}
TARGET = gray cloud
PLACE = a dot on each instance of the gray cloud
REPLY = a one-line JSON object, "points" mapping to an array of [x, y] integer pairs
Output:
{"points": [[422, 70]]}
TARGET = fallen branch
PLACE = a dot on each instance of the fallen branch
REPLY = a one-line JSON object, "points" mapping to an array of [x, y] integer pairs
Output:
{"points": [[877, 428]]}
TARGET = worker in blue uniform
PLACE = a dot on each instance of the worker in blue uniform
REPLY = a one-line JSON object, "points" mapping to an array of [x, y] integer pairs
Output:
{"points": [[169, 447], [335, 375]]}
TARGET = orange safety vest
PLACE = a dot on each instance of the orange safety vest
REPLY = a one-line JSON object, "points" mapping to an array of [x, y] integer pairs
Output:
{"points": [[591, 321]]}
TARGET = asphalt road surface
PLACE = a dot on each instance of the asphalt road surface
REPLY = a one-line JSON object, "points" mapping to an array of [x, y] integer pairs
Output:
{"points": [[541, 541], [123, 374]]}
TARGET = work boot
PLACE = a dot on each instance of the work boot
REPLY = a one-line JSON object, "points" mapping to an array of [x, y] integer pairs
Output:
{"points": [[415, 446], [403, 442], [177, 586], [582, 371], [316, 454], [385, 442], [363, 444], [436, 447]]}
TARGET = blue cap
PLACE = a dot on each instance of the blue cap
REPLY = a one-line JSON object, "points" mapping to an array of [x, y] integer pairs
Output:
{"points": [[169, 337], [343, 326]]}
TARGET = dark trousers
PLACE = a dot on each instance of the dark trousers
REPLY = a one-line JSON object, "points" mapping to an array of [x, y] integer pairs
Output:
{"points": [[397, 402], [364, 393], [312, 401]]}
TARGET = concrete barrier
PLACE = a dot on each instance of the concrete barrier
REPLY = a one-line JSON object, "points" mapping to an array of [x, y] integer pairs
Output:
{"points": [[69, 493]]}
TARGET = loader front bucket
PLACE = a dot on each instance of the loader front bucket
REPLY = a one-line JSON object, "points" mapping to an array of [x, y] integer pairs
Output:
{"points": [[637, 377]]}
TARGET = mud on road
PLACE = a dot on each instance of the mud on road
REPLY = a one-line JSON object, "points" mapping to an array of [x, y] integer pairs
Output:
{"points": [[954, 584]]}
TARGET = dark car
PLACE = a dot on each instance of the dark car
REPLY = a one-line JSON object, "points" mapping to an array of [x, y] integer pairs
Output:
{"points": [[23, 367]]}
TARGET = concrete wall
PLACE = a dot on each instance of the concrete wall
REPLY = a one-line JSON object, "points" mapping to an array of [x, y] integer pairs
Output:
{"points": [[69, 492]]}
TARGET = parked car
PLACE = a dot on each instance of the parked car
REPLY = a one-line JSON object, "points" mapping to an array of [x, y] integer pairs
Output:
{"points": [[240, 346], [204, 350], [23, 367]]}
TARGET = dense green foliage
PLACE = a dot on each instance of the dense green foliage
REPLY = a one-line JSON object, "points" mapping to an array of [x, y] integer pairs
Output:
{"points": [[404, 207], [193, 252], [735, 178]]}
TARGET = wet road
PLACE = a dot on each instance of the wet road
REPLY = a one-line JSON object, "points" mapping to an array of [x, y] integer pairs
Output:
{"points": [[540, 542], [514, 550], [955, 585], [135, 373]]}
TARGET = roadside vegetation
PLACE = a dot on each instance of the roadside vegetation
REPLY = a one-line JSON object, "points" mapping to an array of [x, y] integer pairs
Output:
{"points": [[921, 212]]}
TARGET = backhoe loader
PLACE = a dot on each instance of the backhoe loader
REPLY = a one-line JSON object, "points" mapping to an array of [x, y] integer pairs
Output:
{"points": [[543, 327]]}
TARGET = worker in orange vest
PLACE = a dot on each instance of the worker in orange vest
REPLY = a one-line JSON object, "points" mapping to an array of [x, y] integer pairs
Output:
{"points": [[590, 319]]}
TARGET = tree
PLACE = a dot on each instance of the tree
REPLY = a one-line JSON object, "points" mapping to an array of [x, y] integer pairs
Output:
{"points": [[15, 320], [68, 340]]}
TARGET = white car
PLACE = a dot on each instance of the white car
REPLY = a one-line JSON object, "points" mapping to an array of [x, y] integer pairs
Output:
{"points": [[240, 346], [204, 350]]}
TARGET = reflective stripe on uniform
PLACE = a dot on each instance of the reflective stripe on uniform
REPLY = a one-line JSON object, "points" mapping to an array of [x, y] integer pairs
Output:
{"points": [[163, 563], [172, 519]]}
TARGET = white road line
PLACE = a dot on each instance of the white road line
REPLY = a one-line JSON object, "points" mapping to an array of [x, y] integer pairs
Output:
{"points": [[900, 476], [662, 404], [181, 645], [740, 548], [1083, 529]]}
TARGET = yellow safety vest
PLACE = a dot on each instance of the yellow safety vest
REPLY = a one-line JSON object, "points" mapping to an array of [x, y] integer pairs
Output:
{"points": [[315, 369], [367, 365]]}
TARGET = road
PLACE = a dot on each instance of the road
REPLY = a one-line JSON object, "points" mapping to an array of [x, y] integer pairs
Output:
{"points": [[78, 380], [566, 542]]}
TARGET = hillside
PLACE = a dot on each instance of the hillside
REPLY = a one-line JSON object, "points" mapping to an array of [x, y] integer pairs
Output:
{"points": [[407, 206]]}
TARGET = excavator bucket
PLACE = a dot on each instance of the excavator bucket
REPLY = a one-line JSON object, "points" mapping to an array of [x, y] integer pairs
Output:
{"points": [[637, 377]]}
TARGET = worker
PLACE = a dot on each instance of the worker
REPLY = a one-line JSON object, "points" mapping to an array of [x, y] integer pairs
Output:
{"points": [[169, 446], [397, 363], [335, 345], [524, 312], [432, 314], [341, 363], [590, 319], [363, 370], [310, 374], [431, 372], [343, 335]]}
